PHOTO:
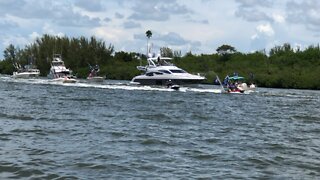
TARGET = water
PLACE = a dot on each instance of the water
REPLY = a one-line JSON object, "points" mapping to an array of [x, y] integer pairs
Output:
{"points": [[116, 131]]}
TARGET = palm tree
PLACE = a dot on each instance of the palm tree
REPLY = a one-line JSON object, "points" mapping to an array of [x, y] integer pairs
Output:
{"points": [[149, 35]]}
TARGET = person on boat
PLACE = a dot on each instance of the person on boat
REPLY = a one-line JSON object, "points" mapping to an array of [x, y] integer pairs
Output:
{"points": [[169, 83], [232, 87], [160, 61], [93, 71]]}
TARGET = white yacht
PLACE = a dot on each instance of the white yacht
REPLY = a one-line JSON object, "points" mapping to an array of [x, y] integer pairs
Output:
{"points": [[159, 71], [28, 71], [59, 72]]}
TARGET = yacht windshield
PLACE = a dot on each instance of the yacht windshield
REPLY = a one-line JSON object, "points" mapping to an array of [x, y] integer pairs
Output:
{"points": [[177, 71], [58, 63], [165, 71]]}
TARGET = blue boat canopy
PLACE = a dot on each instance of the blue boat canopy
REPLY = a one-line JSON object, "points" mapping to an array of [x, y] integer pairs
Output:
{"points": [[236, 78]]}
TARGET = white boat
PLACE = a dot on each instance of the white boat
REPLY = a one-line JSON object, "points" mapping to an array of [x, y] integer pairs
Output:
{"points": [[59, 72], [93, 75], [28, 71], [159, 71]]}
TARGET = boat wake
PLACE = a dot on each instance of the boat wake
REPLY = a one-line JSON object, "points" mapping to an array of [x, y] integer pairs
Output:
{"points": [[112, 85]]}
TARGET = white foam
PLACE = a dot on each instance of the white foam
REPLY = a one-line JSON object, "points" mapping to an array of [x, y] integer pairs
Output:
{"points": [[117, 85]]}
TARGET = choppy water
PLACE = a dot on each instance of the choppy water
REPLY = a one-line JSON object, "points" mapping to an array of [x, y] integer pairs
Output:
{"points": [[116, 131]]}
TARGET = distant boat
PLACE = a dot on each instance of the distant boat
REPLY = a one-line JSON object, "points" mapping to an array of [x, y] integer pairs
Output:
{"points": [[59, 72], [27, 71], [93, 75]]}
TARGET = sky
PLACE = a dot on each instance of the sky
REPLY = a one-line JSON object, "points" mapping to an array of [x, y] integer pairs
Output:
{"points": [[199, 26]]}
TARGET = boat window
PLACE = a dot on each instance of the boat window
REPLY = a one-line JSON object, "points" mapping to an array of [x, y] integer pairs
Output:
{"points": [[158, 73], [58, 63], [177, 71], [165, 71], [149, 74]]}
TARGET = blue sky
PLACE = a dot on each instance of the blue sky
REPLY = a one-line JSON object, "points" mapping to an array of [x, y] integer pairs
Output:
{"points": [[199, 26]]}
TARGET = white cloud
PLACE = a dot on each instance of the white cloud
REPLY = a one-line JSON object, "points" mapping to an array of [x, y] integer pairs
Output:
{"points": [[263, 37], [265, 29], [34, 35], [16, 40], [278, 18]]}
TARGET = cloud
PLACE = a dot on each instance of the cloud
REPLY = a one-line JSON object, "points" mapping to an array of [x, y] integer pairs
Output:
{"points": [[265, 29], [253, 15], [16, 40], [131, 24], [93, 5], [34, 35], [305, 13], [118, 15], [170, 39], [49, 29], [60, 12], [263, 37], [205, 21], [279, 18], [7, 25], [255, 3], [254, 10], [106, 19], [157, 10], [11, 6], [75, 20], [173, 38]]}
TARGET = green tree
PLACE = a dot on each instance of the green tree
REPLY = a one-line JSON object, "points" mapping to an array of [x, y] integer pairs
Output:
{"points": [[226, 49], [10, 53], [166, 52]]}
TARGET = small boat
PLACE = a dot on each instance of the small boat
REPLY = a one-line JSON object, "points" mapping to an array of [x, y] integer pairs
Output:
{"points": [[172, 86], [59, 72], [93, 75], [26, 73], [236, 84], [175, 87]]}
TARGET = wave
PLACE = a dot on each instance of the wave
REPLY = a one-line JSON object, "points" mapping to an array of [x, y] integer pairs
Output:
{"points": [[111, 85]]}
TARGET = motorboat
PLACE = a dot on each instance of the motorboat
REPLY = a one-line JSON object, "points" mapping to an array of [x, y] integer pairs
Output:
{"points": [[159, 71], [93, 75], [28, 71], [235, 84], [170, 85], [59, 72]]}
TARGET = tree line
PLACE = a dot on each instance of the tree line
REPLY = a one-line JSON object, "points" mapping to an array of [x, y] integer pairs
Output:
{"points": [[282, 67]]}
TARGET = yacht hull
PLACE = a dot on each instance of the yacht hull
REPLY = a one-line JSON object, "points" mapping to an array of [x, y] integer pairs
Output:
{"points": [[96, 79], [65, 80], [163, 82], [25, 75]]}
